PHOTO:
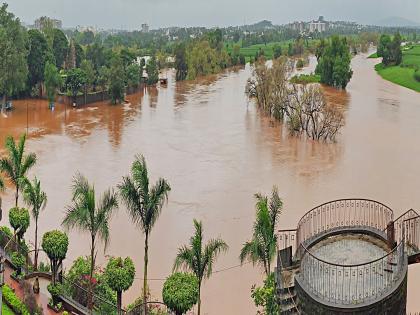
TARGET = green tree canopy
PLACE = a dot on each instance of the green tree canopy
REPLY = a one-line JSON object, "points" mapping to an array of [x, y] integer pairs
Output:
{"points": [[19, 220], [60, 48], [13, 54], [334, 63], [117, 77], [75, 80], [53, 80], [119, 274], [180, 292], [37, 57], [55, 244], [152, 71]]}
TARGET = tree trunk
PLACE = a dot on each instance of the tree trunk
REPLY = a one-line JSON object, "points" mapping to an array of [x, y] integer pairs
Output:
{"points": [[17, 195], [36, 245], [199, 297], [146, 259], [92, 267], [119, 302]]}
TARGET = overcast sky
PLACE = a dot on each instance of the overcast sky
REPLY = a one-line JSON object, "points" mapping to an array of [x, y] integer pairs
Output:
{"points": [[130, 14]]}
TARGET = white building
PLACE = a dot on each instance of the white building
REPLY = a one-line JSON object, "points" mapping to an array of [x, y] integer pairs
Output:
{"points": [[318, 26]]}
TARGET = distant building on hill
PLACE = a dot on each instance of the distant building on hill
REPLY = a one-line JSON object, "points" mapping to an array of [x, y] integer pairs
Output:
{"points": [[318, 26], [44, 21], [145, 28]]}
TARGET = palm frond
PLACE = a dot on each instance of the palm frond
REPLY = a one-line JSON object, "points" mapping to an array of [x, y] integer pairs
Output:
{"points": [[107, 204], [211, 251], [184, 260], [158, 196], [140, 177], [132, 201]]}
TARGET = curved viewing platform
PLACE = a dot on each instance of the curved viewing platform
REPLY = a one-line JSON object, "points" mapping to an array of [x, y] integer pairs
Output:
{"points": [[349, 253]]}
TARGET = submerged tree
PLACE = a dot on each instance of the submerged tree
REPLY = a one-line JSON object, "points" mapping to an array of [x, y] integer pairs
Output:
{"points": [[117, 81], [144, 205], [119, 274], [35, 198], [75, 80], [261, 249], [198, 257], [152, 71], [90, 215], [16, 164]]}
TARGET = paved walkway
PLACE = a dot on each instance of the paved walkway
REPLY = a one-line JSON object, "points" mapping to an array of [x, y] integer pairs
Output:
{"points": [[42, 298]]}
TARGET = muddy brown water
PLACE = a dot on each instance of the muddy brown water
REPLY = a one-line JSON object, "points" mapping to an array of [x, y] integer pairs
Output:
{"points": [[217, 151]]}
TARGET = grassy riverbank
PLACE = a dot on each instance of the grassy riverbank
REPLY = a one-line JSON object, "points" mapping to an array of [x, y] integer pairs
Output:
{"points": [[403, 74], [306, 79]]}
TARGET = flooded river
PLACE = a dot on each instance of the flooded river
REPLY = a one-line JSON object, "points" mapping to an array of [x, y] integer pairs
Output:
{"points": [[217, 151]]}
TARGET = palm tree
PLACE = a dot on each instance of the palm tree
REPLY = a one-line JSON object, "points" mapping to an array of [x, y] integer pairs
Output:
{"points": [[17, 164], [199, 258], [88, 215], [35, 198], [261, 249], [144, 205]]}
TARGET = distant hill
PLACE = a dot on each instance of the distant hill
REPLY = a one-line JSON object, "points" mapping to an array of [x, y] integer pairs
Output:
{"points": [[397, 21], [259, 26]]}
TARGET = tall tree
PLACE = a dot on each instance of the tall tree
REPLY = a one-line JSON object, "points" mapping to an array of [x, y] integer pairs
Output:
{"points": [[52, 81], [181, 65], [60, 48], [16, 164], [75, 81], [144, 205], [199, 258], [261, 249], [36, 199], [116, 82], [152, 71], [91, 216], [38, 54], [13, 54]]}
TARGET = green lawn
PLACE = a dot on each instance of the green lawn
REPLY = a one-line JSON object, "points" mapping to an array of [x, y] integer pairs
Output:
{"points": [[373, 56], [6, 310], [404, 74], [306, 78]]}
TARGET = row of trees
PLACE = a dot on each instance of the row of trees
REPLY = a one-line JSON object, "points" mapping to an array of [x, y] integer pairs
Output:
{"points": [[34, 59], [204, 56], [303, 108], [91, 214]]}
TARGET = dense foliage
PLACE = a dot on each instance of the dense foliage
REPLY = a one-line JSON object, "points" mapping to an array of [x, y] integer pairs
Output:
{"points": [[265, 297], [180, 292], [13, 301], [19, 220], [390, 49], [55, 244], [334, 63]]}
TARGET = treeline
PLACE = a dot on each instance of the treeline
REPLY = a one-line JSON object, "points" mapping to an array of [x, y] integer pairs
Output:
{"points": [[390, 49], [38, 61], [204, 56]]}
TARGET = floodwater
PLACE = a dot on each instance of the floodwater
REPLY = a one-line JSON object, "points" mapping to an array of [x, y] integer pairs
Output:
{"points": [[216, 151]]}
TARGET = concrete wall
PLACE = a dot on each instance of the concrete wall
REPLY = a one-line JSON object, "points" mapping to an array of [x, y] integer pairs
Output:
{"points": [[392, 304]]}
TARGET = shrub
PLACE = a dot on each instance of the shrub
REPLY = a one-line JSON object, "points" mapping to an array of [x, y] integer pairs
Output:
{"points": [[417, 75], [55, 291], [17, 306], [55, 245], [18, 260], [19, 220], [180, 292]]}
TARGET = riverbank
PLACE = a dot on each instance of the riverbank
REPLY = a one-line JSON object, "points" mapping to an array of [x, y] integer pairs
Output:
{"points": [[403, 74]]}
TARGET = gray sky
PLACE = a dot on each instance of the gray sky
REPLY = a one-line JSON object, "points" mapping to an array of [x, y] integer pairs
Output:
{"points": [[130, 14]]}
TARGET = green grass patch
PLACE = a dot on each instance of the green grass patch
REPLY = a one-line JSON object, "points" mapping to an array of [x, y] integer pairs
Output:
{"points": [[374, 56], [306, 79], [403, 74]]}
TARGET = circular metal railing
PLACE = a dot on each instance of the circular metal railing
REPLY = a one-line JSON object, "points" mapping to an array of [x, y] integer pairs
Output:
{"points": [[340, 214], [351, 284]]}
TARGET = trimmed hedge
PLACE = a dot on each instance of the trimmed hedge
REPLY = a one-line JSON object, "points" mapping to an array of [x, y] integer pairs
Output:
{"points": [[14, 302]]}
